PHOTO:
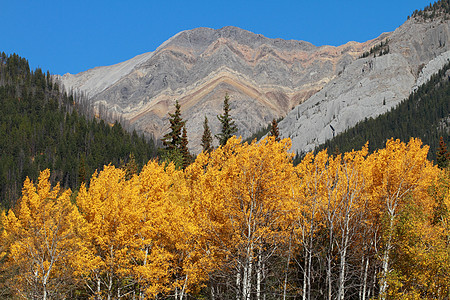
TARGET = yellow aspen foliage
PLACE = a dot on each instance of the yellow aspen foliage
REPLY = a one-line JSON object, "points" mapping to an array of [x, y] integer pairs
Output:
{"points": [[244, 201], [169, 228], [41, 237], [401, 174], [422, 255]]}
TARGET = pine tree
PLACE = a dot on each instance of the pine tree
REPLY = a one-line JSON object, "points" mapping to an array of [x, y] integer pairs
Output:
{"points": [[228, 125], [206, 137], [184, 149], [131, 167], [274, 130], [172, 140], [442, 155]]}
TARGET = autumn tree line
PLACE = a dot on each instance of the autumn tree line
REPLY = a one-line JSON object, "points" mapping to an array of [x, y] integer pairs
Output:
{"points": [[240, 222]]}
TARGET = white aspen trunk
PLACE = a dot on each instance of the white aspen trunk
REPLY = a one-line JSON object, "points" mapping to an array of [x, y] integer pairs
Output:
{"points": [[244, 282], [44, 296], [259, 276], [109, 287], [249, 277], [305, 275], [98, 289], [366, 268], [264, 276], [183, 290], [361, 276], [328, 280], [341, 290], [385, 265], [287, 270], [309, 271], [141, 294], [238, 283]]}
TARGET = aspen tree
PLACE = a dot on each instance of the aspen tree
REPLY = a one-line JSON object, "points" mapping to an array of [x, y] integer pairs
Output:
{"points": [[42, 240], [248, 187], [399, 170]]}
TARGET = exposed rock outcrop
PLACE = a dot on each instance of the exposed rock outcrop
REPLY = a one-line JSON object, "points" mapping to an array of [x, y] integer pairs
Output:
{"points": [[370, 86], [314, 87], [264, 77]]}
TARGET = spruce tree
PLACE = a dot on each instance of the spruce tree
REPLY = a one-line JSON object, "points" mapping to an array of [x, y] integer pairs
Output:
{"points": [[274, 130], [172, 140], [186, 156], [442, 155], [131, 167], [228, 126], [206, 137]]}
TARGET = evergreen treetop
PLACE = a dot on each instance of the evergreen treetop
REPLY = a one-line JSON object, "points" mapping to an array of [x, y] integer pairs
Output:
{"points": [[228, 126], [172, 140], [206, 137], [442, 155], [186, 156], [274, 130]]}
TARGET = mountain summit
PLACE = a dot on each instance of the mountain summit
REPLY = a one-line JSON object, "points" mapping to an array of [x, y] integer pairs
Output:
{"points": [[265, 78]]}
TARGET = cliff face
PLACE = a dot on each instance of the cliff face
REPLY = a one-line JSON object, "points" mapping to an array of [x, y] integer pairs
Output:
{"points": [[370, 86], [314, 87], [264, 77]]}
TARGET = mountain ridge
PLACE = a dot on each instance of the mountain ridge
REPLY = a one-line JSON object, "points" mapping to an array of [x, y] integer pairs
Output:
{"points": [[265, 78]]}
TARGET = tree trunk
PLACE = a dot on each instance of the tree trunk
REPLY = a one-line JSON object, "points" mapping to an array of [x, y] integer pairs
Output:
{"points": [[385, 264], [259, 275], [287, 271], [305, 275], [238, 283], [366, 268]]}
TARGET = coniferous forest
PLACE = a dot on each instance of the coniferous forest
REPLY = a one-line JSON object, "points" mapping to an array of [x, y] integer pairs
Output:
{"points": [[424, 114], [40, 128]]}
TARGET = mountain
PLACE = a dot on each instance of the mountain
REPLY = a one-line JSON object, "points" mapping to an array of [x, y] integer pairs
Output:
{"points": [[371, 86], [264, 77], [312, 87], [424, 114]]}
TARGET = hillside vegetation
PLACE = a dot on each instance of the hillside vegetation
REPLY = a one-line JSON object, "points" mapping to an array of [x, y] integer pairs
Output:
{"points": [[425, 114], [40, 128], [240, 222]]}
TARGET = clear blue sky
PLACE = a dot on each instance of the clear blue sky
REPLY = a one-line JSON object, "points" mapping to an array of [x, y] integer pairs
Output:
{"points": [[73, 36]]}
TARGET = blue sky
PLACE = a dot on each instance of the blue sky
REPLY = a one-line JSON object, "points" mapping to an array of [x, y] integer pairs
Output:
{"points": [[73, 36]]}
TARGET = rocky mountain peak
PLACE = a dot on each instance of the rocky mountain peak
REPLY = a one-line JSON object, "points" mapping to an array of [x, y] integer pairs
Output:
{"points": [[265, 78]]}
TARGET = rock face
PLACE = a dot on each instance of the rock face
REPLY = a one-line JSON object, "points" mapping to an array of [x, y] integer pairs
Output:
{"points": [[264, 77], [314, 87], [369, 87]]}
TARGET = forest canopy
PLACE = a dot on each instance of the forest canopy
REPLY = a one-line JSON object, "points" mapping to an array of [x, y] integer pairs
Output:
{"points": [[240, 222]]}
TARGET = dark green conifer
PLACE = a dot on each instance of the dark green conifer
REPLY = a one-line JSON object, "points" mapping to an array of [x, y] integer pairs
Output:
{"points": [[442, 155], [206, 137], [186, 156], [228, 126], [131, 167], [274, 130], [172, 140]]}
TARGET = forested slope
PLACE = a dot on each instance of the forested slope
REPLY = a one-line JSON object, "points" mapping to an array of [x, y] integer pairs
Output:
{"points": [[40, 128], [424, 114]]}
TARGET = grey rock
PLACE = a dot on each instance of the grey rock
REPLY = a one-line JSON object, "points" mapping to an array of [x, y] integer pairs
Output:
{"points": [[265, 78]]}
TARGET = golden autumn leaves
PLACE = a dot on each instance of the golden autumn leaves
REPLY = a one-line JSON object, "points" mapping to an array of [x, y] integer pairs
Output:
{"points": [[240, 222]]}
